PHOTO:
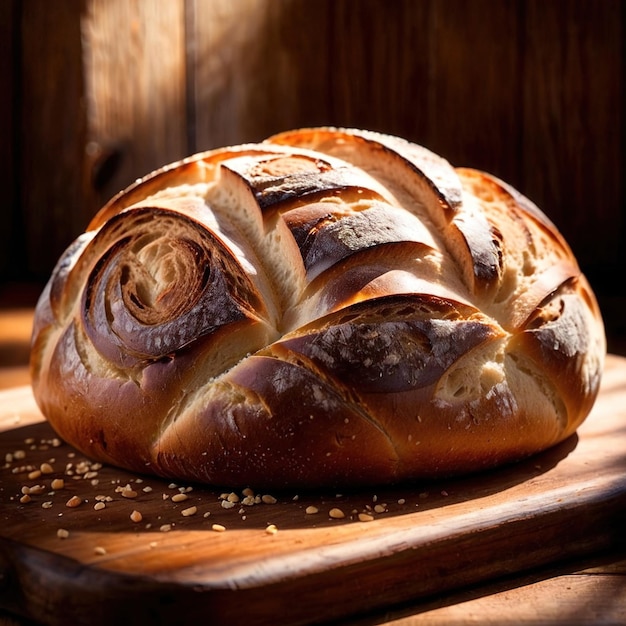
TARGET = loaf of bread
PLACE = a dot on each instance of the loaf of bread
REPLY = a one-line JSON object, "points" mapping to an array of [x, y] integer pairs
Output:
{"points": [[330, 307]]}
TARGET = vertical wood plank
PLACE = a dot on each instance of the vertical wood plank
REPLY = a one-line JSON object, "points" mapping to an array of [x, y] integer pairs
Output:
{"points": [[222, 60], [260, 66], [573, 125], [8, 144], [379, 66], [135, 72], [475, 85], [291, 63], [52, 130]]}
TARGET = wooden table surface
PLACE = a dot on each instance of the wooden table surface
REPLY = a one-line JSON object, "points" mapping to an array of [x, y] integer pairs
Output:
{"points": [[580, 592]]}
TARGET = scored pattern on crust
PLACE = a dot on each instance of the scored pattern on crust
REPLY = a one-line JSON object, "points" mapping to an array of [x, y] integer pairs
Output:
{"points": [[330, 306]]}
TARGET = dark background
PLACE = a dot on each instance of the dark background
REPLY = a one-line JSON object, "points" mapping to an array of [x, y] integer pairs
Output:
{"points": [[95, 94]]}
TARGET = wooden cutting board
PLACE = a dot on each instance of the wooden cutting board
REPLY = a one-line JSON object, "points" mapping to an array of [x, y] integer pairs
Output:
{"points": [[269, 560]]}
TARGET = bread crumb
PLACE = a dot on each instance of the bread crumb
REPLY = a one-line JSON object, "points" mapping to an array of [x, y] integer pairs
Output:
{"points": [[46, 468], [336, 513], [192, 510]]}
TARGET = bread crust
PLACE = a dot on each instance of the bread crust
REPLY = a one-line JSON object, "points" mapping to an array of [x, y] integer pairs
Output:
{"points": [[331, 307]]}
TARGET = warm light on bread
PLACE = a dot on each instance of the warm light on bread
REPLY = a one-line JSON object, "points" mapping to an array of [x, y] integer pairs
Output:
{"points": [[329, 307]]}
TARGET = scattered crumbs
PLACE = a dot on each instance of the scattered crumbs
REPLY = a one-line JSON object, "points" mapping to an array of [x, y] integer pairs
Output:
{"points": [[218, 528], [127, 492], [165, 528], [62, 533], [136, 516], [311, 510], [46, 468], [73, 502], [336, 513], [271, 529], [192, 510], [365, 517], [267, 499], [98, 506], [179, 497]]}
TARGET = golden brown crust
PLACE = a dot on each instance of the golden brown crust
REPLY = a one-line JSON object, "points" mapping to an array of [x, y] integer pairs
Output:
{"points": [[330, 307]]}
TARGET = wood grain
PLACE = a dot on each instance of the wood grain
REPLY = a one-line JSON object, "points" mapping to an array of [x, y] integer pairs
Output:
{"points": [[50, 157], [8, 125], [427, 539], [135, 68], [476, 87], [573, 129], [573, 598]]}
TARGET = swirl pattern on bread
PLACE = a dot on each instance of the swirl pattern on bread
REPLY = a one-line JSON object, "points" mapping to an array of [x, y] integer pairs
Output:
{"points": [[328, 307]]}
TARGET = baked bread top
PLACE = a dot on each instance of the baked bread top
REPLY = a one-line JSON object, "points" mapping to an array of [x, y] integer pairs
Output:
{"points": [[328, 307]]}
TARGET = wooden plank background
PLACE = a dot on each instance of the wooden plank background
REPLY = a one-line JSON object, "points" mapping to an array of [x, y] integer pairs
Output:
{"points": [[529, 90]]}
